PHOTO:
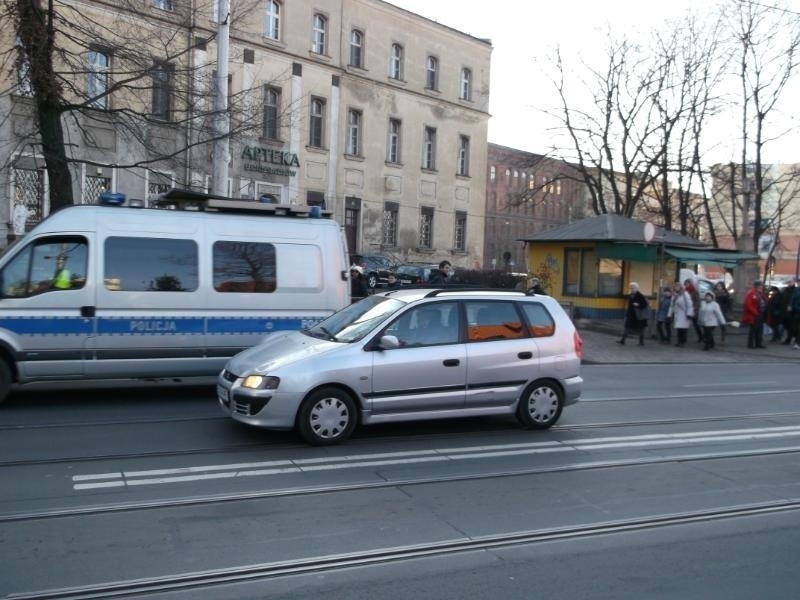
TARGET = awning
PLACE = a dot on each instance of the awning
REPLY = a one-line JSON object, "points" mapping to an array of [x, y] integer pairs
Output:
{"points": [[726, 258], [634, 252]]}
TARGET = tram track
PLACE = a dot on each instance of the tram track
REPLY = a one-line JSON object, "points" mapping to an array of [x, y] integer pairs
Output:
{"points": [[383, 437], [335, 562], [211, 499]]}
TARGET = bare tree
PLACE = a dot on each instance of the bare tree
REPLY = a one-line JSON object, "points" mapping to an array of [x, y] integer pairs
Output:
{"points": [[161, 94]]}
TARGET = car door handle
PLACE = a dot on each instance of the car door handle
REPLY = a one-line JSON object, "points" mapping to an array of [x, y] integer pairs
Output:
{"points": [[525, 355], [451, 362]]}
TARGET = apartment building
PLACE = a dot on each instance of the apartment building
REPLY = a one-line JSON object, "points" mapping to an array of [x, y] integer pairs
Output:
{"points": [[373, 112], [526, 193]]}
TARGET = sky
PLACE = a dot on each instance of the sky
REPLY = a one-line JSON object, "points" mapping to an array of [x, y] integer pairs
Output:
{"points": [[524, 33]]}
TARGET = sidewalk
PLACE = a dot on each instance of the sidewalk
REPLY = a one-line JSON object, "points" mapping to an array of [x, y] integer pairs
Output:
{"points": [[600, 347]]}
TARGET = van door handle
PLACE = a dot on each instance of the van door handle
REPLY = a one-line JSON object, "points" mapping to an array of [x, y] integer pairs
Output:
{"points": [[451, 362], [525, 355], [87, 311]]}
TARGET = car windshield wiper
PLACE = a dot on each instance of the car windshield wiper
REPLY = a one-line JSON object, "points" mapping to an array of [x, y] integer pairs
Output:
{"points": [[331, 337]]}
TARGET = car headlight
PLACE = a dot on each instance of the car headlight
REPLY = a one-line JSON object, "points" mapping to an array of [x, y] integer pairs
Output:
{"points": [[261, 382]]}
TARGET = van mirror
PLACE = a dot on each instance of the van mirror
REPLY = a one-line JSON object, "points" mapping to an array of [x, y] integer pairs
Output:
{"points": [[388, 342]]}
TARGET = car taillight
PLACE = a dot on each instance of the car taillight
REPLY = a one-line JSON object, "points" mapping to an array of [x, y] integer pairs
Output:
{"points": [[576, 339]]}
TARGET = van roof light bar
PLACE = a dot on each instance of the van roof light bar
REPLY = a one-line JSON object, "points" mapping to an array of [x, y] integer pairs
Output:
{"points": [[182, 199]]}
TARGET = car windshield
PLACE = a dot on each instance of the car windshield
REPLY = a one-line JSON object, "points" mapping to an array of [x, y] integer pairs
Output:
{"points": [[355, 321]]}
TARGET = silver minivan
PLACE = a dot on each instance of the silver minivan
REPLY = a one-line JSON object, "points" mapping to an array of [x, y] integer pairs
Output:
{"points": [[410, 354]]}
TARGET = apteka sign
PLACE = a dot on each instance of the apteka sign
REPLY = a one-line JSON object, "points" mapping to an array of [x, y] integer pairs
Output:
{"points": [[266, 160]]}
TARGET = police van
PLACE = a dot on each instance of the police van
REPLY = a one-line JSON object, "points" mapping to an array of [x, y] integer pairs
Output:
{"points": [[119, 292]]}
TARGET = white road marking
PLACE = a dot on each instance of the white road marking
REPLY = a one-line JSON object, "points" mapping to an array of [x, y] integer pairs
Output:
{"points": [[281, 467]]}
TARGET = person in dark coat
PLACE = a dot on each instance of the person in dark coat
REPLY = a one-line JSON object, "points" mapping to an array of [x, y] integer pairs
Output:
{"points": [[536, 287], [636, 315], [439, 276], [392, 283], [358, 284]]}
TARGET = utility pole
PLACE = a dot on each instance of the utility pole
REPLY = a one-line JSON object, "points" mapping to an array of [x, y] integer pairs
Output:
{"points": [[222, 153]]}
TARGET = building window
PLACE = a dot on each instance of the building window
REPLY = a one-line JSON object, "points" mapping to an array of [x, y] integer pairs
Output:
{"points": [[396, 62], [466, 84], [492, 173], [432, 73], [393, 143], [97, 83], [463, 155], [272, 108], [272, 19], [24, 87], [460, 234], [93, 186], [162, 91], [316, 130], [319, 32], [162, 4], [356, 49], [354, 132], [426, 227], [508, 177], [389, 233], [429, 149]]}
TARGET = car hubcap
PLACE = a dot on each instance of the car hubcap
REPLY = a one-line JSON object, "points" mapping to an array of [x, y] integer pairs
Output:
{"points": [[329, 418], [542, 404]]}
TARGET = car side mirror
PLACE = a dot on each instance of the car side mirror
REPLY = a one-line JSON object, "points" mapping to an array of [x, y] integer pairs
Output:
{"points": [[388, 342]]}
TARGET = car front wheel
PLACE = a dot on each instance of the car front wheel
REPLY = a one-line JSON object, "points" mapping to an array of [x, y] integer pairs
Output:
{"points": [[372, 280], [326, 417], [540, 405]]}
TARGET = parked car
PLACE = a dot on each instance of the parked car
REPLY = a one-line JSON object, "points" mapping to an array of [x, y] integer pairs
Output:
{"points": [[414, 273], [406, 355], [376, 268]]}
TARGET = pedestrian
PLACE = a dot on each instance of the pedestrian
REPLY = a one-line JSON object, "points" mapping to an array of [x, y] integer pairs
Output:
{"points": [[358, 283], [536, 288], [663, 318], [62, 280], [723, 298], [637, 312], [755, 306], [710, 316], [776, 310], [681, 310], [792, 318], [691, 289], [392, 282], [439, 276]]}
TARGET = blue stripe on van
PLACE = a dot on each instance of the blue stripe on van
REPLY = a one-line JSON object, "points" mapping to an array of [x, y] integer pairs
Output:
{"points": [[48, 325], [151, 326]]}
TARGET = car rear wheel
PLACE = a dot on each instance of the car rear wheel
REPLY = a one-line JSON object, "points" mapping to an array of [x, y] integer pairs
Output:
{"points": [[326, 417], [540, 405], [372, 280]]}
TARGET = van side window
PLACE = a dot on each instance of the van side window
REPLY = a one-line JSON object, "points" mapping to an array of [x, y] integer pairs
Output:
{"points": [[493, 321], [244, 267], [137, 264], [540, 322], [49, 264]]}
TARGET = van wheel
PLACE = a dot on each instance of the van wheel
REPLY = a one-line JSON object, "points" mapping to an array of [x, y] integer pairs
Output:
{"points": [[326, 417], [5, 380], [540, 405]]}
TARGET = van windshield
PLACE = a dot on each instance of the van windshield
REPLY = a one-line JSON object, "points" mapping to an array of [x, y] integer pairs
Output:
{"points": [[355, 321]]}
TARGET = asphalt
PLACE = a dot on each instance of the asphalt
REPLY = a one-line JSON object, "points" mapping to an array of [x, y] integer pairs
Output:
{"points": [[600, 347]]}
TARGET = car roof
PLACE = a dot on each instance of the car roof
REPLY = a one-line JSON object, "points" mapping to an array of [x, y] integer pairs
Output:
{"points": [[416, 294]]}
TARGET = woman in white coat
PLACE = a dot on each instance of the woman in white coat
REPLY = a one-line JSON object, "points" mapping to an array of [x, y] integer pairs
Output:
{"points": [[710, 316], [681, 310]]}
